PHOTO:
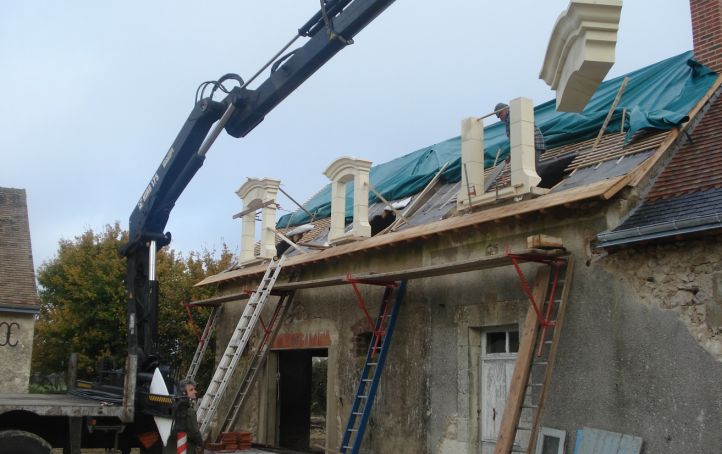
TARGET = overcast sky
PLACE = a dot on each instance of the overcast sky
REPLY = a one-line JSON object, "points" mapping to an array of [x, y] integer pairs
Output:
{"points": [[96, 91]]}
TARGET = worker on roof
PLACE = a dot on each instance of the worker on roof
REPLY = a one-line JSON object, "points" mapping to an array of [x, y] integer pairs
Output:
{"points": [[381, 221], [502, 113], [282, 246]]}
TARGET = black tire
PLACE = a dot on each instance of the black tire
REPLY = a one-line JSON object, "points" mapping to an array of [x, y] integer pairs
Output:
{"points": [[21, 442]]}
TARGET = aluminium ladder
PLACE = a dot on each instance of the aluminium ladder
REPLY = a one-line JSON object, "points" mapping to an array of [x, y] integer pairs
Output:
{"points": [[241, 335], [371, 372], [203, 343], [537, 354], [258, 358]]}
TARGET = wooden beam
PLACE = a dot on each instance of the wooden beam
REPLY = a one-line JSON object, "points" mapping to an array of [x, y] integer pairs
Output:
{"points": [[522, 369], [610, 113], [388, 204], [412, 207], [480, 263], [542, 241], [252, 207], [218, 300]]}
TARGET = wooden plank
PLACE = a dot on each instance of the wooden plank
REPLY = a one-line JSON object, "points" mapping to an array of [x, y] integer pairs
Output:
{"points": [[551, 359], [479, 263], [218, 300], [616, 187], [517, 389], [605, 188], [542, 241], [416, 202], [611, 112]]}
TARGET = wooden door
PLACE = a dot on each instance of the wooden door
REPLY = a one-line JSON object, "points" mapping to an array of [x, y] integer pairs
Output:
{"points": [[499, 347]]}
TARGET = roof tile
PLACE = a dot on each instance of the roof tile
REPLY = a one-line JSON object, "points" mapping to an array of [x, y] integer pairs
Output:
{"points": [[696, 165], [17, 277]]}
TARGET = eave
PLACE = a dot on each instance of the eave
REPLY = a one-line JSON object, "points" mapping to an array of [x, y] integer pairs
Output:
{"points": [[605, 190]]}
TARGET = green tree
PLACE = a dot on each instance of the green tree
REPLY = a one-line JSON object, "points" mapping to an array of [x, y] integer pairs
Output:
{"points": [[82, 303]]}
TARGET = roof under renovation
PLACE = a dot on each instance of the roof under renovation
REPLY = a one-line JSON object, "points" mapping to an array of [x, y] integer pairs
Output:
{"points": [[658, 96], [656, 99], [687, 195]]}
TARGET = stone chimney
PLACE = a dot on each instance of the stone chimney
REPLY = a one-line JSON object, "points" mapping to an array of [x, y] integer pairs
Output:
{"points": [[707, 32]]}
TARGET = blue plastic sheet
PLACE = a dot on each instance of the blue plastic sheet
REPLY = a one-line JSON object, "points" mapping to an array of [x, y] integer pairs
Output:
{"points": [[658, 96]]}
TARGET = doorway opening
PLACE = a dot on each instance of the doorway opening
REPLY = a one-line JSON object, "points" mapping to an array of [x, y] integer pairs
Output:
{"points": [[302, 399], [499, 349]]}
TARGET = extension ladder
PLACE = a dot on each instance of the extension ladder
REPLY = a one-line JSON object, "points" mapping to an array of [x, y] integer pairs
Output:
{"points": [[371, 372], [236, 345], [258, 358], [537, 353], [203, 343]]}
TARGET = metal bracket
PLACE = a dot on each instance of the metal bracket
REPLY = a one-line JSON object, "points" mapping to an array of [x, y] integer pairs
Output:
{"points": [[390, 285], [555, 263]]}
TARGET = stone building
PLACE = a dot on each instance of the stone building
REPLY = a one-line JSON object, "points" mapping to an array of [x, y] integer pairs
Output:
{"points": [[18, 296], [640, 350]]}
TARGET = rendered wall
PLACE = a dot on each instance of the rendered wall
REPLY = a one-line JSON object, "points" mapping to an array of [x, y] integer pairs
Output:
{"points": [[16, 346], [630, 359]]}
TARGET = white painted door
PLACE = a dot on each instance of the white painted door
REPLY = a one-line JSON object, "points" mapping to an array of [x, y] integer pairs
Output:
{"points": [[499, 347]]}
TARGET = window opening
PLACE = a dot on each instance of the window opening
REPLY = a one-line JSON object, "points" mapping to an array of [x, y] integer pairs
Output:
{"points": [[550, 441], [502, 342]]}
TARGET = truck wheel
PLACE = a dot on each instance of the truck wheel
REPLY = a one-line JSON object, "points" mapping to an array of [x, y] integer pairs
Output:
{"points": [[21, 442]]}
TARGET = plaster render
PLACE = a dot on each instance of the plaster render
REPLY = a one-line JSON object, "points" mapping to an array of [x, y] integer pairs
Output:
{"points": [[581, 50], [683, 279], [625, 362], [16, 346], [260, 191]]}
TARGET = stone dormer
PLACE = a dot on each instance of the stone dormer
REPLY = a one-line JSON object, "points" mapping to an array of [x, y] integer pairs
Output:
{"points": [[580, 52], [524, 178], [342, 171], [258, 194]]}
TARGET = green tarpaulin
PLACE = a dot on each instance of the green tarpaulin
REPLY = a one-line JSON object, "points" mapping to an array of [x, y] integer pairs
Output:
{"points": [[658, 96]]}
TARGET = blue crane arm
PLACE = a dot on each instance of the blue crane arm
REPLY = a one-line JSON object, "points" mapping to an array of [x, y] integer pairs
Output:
{"points": [[329, 30]]}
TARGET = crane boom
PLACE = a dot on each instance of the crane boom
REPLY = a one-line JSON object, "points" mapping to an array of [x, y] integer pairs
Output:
{"points": [[241, 111]]}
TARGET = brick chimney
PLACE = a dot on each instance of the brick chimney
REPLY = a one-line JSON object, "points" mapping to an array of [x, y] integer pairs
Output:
{"points": [[707, 32]]}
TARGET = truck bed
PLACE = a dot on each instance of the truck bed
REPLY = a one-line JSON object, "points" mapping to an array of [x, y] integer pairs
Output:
{"points": [[57, 405]]}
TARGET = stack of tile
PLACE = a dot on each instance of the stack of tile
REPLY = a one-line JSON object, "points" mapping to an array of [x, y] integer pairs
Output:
{"points": [[244, 440], [214, 446], [229, 441]]}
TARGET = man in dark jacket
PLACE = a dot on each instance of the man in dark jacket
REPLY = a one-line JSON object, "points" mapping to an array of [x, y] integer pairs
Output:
{"points": [[186, 419], [502, 113]]}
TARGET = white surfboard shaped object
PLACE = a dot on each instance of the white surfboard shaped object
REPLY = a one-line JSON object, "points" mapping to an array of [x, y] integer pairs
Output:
{"points": [[164, 425]]}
